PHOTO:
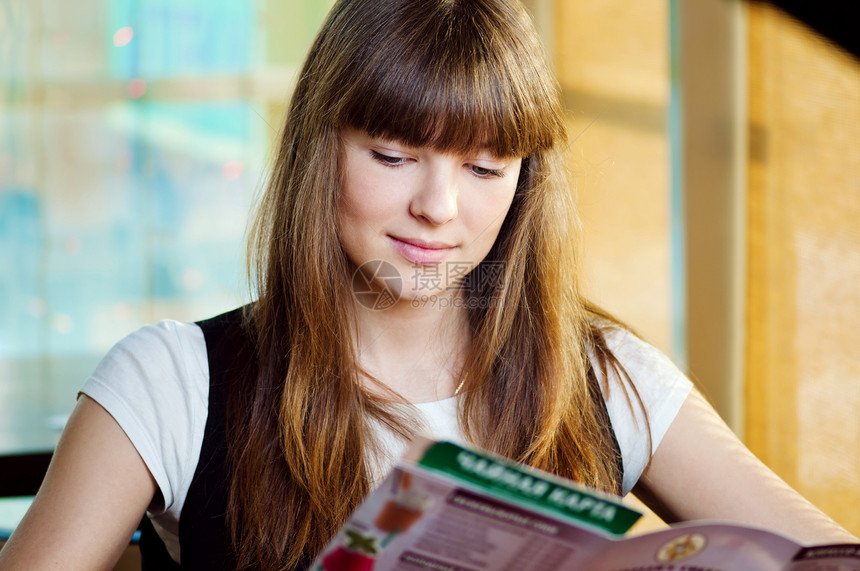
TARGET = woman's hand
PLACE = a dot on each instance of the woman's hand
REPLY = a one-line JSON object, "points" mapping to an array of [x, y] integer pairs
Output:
{"points": [[95, 492], [702, 471]]}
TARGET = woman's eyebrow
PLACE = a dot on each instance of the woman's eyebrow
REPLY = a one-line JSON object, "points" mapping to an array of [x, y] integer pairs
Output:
{"points": [[391, 140]]}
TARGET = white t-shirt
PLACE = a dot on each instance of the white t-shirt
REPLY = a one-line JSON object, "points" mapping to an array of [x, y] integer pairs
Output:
{"points": [[155, 383]]}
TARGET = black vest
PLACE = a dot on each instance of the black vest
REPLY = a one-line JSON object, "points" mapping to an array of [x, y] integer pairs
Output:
{"points": [[203, 533]]}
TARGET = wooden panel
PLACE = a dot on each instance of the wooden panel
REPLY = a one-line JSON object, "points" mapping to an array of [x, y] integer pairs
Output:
{"points": [[803, 365]]}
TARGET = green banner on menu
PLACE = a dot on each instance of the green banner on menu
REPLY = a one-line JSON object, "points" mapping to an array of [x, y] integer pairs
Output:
{"points": [[524, 486]]}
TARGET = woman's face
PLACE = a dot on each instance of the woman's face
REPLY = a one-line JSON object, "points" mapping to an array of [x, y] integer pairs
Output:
{"points": [[433, 216]]}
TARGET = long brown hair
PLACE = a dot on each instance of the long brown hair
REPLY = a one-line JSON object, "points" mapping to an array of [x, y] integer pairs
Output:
{"points": [[452, 74]]}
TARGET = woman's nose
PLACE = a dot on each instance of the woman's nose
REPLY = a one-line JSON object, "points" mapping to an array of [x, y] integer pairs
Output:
{"points": [[435, 201]]}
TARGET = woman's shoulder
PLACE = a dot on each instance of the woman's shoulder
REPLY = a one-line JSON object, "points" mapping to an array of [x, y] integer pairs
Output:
{"points": [[647, 367], [177, 341], [159, 358]]}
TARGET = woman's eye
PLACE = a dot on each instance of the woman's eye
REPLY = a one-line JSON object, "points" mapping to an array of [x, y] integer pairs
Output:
{"points": [[484, 172], [387, 160]]}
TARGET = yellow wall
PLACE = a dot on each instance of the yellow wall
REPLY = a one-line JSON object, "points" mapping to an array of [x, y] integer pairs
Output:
{"points": [[612, 59], [803, 344]]}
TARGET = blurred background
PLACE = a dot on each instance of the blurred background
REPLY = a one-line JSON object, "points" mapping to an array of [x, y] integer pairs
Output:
{"points": [[714, 158]]}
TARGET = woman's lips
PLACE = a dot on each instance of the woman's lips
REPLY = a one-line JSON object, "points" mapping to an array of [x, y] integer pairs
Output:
{"points": [[421, 252]]}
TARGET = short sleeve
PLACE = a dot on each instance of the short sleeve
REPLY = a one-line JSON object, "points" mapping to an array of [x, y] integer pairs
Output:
{"points": [[644, 414], [155, 385]]}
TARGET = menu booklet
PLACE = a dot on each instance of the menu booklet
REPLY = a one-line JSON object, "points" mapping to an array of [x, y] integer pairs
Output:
{"points": [[447, 507]]}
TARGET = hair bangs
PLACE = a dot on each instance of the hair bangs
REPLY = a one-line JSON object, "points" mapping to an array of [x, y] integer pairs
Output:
{"points": [[454, 80]]}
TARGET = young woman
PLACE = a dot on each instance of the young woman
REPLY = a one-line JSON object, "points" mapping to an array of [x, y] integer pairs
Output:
{"points": [[415, 267]]}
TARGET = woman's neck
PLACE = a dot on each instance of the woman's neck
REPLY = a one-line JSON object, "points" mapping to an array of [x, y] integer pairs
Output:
{"points": [[416, 351]]}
